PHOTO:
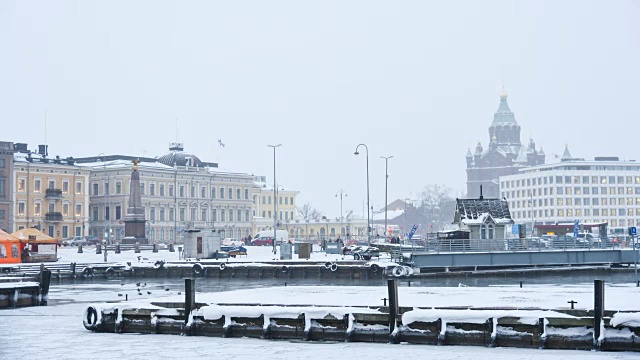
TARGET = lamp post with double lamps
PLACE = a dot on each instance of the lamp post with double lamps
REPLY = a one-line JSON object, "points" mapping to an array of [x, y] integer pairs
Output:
{"points": [[275, 197], [341, 193], [386, 182], [368, 218], [107, 212]]}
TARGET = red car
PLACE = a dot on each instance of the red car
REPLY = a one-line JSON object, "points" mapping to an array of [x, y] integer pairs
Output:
{"points": [[262, 241]]}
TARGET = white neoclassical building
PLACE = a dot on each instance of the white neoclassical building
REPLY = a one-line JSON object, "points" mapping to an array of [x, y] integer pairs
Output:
{"points": [[178, 191], [605, 189]]}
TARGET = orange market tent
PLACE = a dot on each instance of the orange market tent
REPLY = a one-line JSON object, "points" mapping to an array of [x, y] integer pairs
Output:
{"points": [[9, 248], [32, 234], [36, 246]]}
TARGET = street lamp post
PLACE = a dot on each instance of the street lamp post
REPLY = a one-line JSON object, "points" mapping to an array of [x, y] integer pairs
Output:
{"points": [[386, 182], [107, 192], [341, 193], [533, 224], [275, 198], [368, 221]]}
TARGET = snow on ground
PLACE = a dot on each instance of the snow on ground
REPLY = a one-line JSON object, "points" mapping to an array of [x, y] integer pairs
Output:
{"points": [[56, 331], [535, 296], [254, 254]]}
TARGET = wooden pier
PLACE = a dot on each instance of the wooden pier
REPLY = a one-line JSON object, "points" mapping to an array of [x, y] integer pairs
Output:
{"points": [[492, 327], [25, 291]]}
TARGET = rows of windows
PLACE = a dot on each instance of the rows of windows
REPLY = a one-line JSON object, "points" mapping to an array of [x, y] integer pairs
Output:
{"points": [[283, 215], [572, 190], [286, 200], [576, 212], [37, 209], [153, 189], [620, 180], [38, 186], [576, 201]]}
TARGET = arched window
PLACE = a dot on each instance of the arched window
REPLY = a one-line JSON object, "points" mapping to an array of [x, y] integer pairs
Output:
{"points": [[490, 231], [483, 232], [3, 251]]}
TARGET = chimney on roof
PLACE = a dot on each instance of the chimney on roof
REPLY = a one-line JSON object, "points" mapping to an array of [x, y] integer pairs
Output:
{"points": [[20, 147], [43, 150], [481, 197]]}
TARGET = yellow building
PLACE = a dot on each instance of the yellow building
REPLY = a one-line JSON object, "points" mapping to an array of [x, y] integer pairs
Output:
{"points": [[49, 194], [327, 229], [264, 200]]}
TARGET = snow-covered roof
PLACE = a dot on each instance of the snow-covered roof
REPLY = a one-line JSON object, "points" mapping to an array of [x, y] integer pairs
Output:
{"points": [[479, 211], [121, 163]]}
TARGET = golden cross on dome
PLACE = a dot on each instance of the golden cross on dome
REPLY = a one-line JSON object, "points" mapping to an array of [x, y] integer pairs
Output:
{"points": [[135, 164]]}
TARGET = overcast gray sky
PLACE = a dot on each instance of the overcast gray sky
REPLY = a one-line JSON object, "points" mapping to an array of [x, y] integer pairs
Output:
{"points": [[418, 80]]}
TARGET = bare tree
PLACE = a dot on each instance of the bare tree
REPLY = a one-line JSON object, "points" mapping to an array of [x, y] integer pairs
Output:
{"points": [[316, 214], [437, 206], [306, 212]]}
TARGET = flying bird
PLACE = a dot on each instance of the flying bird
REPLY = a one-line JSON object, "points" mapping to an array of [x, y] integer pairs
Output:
{"points": [[220, 142]]}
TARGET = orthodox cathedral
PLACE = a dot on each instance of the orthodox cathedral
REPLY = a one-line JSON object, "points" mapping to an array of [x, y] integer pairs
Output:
{"points": [[505, 154]]}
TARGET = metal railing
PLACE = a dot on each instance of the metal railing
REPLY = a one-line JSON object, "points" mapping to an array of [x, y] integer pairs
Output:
{"points": [[501, 245]]}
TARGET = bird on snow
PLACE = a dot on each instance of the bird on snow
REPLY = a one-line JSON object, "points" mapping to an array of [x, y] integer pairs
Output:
{"points": [[119, 294], [138, 284], [166, 289], [148, 292], [462, 285]]}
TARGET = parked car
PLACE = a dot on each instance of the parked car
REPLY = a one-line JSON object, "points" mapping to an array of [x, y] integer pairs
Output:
{"points": [[92, 240], [75, 241], [262, 241], [232, 242], [362, 252], [569, 242]]}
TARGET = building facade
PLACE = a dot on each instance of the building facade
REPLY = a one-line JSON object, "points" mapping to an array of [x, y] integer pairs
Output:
{"points": [[505, 154], [263, 201], [178, 191], [6, 186], [49, 193], [592, 191]]}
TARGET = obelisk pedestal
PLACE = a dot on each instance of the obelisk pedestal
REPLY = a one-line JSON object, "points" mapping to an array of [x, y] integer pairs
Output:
{"points": [[134, 221]]}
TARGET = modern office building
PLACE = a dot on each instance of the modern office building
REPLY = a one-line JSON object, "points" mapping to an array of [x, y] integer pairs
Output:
{"points": [[605, 189]]}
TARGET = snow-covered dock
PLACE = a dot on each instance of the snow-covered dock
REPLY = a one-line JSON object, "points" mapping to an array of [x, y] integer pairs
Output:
{"points": [[500, 326]]}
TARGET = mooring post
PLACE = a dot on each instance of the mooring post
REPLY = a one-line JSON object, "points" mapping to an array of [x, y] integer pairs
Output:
{"points": [[598, 311], [117, 248], [79, 249], [137, 248], [189, 298], [73, 269], [155, 248], [45, 281], [392, 286], [98, 248], [520, 284], [171, 248]]}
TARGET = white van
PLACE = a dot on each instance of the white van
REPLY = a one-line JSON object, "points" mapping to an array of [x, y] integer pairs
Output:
{"points": [[267, 235]]}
